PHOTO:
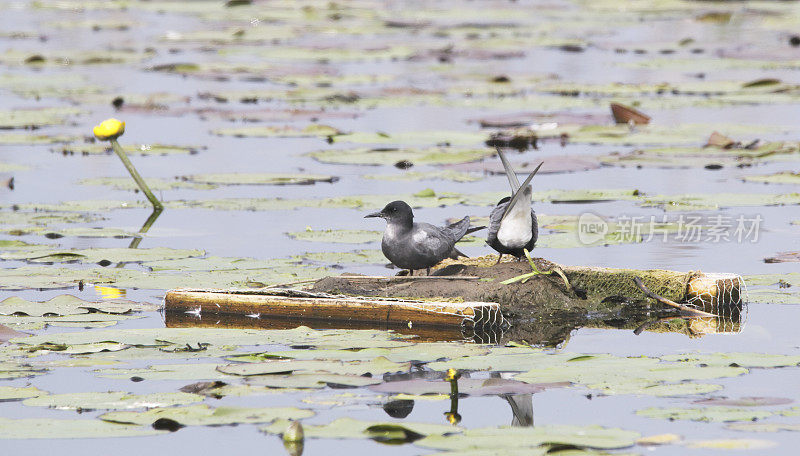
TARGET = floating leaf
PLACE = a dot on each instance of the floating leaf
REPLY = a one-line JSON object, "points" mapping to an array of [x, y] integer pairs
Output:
{"points": [[112, 400], [508, 437], [390, 156], [46, 428], [349, 428], [8, 393], [375, 367], [70, 305], [203, 415], [737, 359], [708, 414], [337, 236], [279, 132]]}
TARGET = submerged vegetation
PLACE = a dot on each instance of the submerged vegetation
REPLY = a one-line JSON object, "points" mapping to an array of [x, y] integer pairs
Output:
{"points": [[266, 130]]}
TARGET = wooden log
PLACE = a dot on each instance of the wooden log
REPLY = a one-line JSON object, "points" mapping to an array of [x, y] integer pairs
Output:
{"points": [[592, 289], [292, 304]]}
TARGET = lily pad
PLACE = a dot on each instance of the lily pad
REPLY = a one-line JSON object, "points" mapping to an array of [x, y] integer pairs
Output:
{"points": [[48, 254], [112, 400], [391, 156], [279, 132], [260, 179], [47, 428], [707, 414], [203, 415], [71, 305], [375, 367], [349, 428], [337, 236], [762, 360], [130, 149], [34, 118], [312, 380], [454, 138], [786, 177], [508, 437], [9, 393]]}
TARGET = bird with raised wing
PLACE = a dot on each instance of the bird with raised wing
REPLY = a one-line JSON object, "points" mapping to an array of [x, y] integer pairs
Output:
{"points": [[410, 245], [513, 227]]}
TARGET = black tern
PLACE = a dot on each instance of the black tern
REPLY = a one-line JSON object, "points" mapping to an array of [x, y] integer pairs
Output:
{"points": [[411, 245], [513, 227]]}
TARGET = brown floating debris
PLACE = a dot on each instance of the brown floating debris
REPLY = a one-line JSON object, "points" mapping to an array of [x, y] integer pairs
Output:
{"points": [[717, 139], [625, 114], [784, 257]]}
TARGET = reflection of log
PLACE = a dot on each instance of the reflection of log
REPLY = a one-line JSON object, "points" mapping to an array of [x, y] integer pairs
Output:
{"points": [[233, 321], [293, 304]]}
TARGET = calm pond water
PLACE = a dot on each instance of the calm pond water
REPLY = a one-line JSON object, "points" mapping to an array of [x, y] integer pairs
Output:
{"points": [[422, 73]]}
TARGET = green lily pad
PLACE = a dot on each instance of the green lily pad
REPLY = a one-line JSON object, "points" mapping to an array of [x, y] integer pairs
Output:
{"points": [[749, 401], [375, 367], [155, 184], [368, 256], [762, 360], [71, 305], [508, 437], [34, 118], [349, 428], [260, 179], [161, 337], [74, 57], [310, 131], [707, 414], [449, 174], [764, 427], [193, 371], [403, 352], [312, 381], [112, 400], [47, 428], [390, 156], [203, 415], [786, 177], [337, 236], [455, 138], [130, 149], [8, 393], [48, 254]]}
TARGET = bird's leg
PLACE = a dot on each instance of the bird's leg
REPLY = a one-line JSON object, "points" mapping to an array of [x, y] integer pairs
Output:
{"points": [[429, 271], [525, 277], [410, 272], [498, 259]]}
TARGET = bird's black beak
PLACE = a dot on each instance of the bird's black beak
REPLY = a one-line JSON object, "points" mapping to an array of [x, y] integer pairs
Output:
{"points": [[374, 214]]}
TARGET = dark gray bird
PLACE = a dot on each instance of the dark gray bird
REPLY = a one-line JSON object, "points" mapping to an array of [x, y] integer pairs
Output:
{"points": [[411, 245], [513, 226]]}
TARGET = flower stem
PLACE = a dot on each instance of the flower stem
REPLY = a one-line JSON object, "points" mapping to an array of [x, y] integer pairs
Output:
{"points": [[135, 175]]}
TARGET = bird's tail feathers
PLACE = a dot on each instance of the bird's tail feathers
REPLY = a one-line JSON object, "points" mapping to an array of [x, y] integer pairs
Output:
{"points": [[473, 229], [459, 229]]}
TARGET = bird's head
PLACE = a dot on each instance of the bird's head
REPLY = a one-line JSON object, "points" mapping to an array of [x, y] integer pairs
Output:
{"points": [[396, 211]]}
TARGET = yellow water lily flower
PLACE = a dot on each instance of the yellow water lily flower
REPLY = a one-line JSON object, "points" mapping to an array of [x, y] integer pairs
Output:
{"points": [[109, 129]]}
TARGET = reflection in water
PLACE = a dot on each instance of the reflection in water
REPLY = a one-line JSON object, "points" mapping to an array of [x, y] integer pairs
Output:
{"points": [[400, 408], [146, 227]]}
